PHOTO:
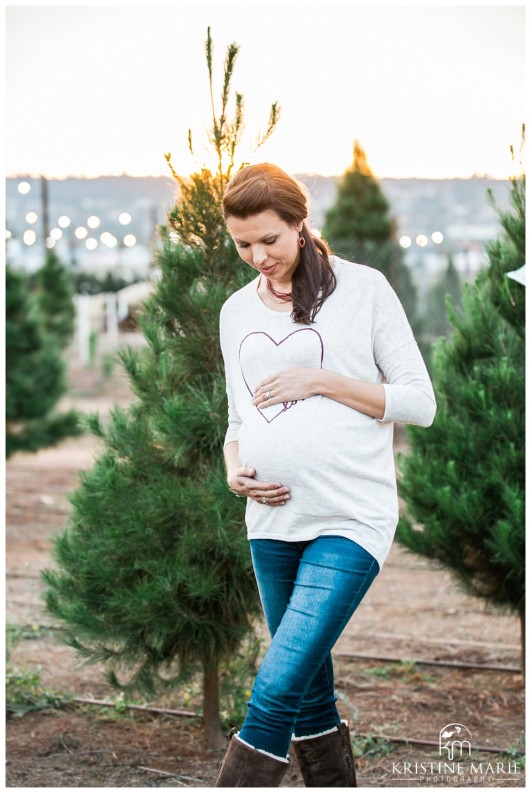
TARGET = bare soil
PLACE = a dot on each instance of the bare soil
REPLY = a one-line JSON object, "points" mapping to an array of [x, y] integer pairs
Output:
{"points": [[413, 612]]}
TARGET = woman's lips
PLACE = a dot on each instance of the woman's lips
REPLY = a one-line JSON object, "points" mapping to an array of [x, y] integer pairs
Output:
{"points": [[268, 270]]}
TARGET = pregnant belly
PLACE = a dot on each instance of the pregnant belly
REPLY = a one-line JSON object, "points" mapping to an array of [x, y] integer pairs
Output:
{"points": [[275, 461], [278, 449], [323, 462]]}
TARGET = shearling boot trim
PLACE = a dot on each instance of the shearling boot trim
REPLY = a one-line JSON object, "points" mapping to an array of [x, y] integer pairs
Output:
{"points": [[262, 751], [317, 734]]}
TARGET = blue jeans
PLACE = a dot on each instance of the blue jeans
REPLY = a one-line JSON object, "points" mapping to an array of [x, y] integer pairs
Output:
{"points": [[309, 591]]}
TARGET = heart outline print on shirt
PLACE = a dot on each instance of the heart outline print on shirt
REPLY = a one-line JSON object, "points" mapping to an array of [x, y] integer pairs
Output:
{"points": [[261, 355]]}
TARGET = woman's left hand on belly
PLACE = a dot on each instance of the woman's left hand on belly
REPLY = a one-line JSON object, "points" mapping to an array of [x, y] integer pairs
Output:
{"points": [[289, 385]]}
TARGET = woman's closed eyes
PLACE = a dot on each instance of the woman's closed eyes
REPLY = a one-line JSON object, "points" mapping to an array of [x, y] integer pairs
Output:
{"points": [[266, 242]]}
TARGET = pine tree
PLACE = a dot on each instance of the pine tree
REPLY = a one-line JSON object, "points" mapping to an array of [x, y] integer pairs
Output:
{"points": [[359, 228], [361, 211], [35, 375], [55, 293], [436, 321], [463, 480], [507, 254], [155, 577]]}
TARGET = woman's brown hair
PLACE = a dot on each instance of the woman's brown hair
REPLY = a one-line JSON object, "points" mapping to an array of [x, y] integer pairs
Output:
{"points": [[255, 189]]}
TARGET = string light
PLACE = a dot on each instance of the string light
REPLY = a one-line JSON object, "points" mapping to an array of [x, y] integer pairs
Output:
{"points": [[29, 237]]}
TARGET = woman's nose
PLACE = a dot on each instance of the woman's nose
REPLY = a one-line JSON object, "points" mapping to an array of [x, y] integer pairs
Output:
{"points": [[259, 254]]}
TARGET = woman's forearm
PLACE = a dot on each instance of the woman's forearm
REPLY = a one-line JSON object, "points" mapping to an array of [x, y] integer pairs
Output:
{"points": [[231, 453], [300, 382], [368, 398]]}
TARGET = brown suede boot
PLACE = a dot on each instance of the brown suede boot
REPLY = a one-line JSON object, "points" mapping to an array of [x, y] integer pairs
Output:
{"points": [[327, 760], [244, 766]]}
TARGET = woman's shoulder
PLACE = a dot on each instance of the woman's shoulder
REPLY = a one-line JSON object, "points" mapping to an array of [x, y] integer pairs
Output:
{"points": [[354, 272]]}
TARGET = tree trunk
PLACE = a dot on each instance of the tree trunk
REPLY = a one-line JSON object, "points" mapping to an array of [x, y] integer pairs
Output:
{"points": [[213, 735], [521, 610]]}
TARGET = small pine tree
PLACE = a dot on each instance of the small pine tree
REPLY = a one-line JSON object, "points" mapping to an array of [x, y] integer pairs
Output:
{"points": [[55, 293], [361, 211], [359, 228], [35, 375], [463, 481], [155, 577], [436, 322], [508, 253]]}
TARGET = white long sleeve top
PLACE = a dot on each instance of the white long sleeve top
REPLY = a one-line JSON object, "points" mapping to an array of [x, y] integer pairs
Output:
{"points": [[337, 462]]}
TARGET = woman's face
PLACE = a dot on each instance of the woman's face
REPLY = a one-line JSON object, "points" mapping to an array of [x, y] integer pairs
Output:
{"points": [[268, 244]]}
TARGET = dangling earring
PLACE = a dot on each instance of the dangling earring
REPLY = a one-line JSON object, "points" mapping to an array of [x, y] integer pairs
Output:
{"points": [[302, 241]]}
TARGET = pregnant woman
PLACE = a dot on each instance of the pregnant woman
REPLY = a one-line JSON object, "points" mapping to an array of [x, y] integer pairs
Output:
{"points": [[320, 361]]}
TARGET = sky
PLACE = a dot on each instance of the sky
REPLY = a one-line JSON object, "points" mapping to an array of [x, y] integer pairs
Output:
{"points": [[430, 91]]}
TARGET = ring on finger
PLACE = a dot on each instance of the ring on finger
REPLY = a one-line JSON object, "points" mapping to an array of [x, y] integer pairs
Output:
{"points": [[268, 395], [264, 500]]}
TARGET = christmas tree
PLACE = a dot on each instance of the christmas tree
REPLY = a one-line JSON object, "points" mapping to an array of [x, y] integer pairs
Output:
{"points": [[55, 293], [507, 254], [437, 322], [359, 228], [154, 572], [360, 214], [463, 481], [35, 375]]}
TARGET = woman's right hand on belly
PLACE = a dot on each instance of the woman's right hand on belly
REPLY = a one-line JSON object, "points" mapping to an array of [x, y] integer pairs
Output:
{"points": [[271, 494]]}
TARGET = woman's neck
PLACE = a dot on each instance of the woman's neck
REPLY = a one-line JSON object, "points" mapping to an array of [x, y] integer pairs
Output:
{"points": [[268, 296]]}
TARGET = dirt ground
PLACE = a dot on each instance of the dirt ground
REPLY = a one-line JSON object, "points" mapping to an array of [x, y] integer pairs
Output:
{"points": [[413, 612]]}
